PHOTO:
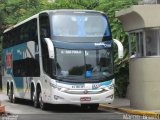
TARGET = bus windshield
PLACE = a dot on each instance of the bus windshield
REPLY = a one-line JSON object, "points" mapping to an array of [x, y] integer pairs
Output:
{"points": [[80, 25], [79, 65]]}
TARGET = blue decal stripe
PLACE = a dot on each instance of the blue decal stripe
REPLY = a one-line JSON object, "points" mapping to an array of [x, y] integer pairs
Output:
{"points": [[106, 83]]}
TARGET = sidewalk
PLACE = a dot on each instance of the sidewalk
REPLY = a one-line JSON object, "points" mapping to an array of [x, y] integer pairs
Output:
{"points": [[123, 105], [120, 102]]}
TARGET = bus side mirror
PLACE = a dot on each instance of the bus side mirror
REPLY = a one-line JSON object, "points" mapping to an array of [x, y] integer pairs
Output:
{"points": [[50, 47], [120, 48]]}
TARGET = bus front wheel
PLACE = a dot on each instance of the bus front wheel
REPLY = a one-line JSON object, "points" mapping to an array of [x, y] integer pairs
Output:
{"points": [[43, 105], [94, 107], [91, 107]]}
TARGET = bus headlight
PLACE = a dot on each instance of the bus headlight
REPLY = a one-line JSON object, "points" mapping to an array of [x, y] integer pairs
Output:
{"points": [[110, 87], [56, 97], [111, 96], [62, 89], [107, 88]]}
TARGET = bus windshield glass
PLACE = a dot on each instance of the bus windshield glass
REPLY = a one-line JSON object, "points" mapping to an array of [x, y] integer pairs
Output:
{"points": [[79, 65], [80, 25]]}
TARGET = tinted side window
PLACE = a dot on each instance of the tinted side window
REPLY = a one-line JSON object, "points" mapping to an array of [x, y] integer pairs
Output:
{"points": [[45, 33], [44, 26], [4, 41], [33, 34], [23, 33], [28, 67]]}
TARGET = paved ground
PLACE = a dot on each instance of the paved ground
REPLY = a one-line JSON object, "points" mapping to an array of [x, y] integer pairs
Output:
{"points": [[121, 102], [25, 111]]}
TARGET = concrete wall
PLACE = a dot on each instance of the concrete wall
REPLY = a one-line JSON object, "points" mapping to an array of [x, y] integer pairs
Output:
{"points": [[145, 83], [139, 16]]}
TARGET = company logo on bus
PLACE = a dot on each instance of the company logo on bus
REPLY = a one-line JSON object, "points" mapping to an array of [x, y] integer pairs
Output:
{"points": [[85, 92], [95, 86], [102, 44], [9, 60]]}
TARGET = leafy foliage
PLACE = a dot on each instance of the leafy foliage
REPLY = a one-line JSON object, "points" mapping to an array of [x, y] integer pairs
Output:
{"points": [[13, 11]]}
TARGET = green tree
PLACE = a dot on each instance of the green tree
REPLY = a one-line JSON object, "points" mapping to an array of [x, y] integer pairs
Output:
{"points": [[121, 67]]}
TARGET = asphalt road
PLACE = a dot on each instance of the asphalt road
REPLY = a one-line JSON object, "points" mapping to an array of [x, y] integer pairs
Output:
{"points": [[25, 111]]}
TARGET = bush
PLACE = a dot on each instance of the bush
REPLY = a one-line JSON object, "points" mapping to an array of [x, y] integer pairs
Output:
{"points": [[122, 80]]}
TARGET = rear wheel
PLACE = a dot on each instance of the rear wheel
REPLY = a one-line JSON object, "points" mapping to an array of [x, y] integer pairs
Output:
{"points": [[35, 100], [8, 91], [12, 97], [9, 95]]}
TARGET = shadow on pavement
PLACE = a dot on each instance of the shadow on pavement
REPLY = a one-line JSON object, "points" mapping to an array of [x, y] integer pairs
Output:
{"points": [[65, 108]]}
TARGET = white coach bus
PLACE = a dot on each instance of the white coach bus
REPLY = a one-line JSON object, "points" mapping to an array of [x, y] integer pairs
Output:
{"points": [[60, 57]]}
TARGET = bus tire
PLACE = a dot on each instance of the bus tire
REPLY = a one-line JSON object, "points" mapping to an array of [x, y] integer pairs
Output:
{"points": [[94, 107], [8, 89], [91, 107], [43, 105], [32, 93], [35, 100], [9, 94], [84, 106], [13, 99]]}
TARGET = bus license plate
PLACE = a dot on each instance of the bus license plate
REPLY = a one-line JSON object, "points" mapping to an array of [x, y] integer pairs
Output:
{"points": [[78, 86], [85, 99]]}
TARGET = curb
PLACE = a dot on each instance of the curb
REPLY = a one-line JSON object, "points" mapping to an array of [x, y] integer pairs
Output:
{"points": [[131, 111]]}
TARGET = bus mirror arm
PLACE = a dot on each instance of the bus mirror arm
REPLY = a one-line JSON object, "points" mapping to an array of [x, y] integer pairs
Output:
{"points": [[50, 47], [120, 48]]}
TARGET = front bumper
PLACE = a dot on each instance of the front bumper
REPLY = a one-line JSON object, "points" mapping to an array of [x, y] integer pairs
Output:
{"points": [[65, 98]]}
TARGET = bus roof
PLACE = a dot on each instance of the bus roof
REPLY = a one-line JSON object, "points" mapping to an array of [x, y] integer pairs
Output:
{"points": [[50, 11]]}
